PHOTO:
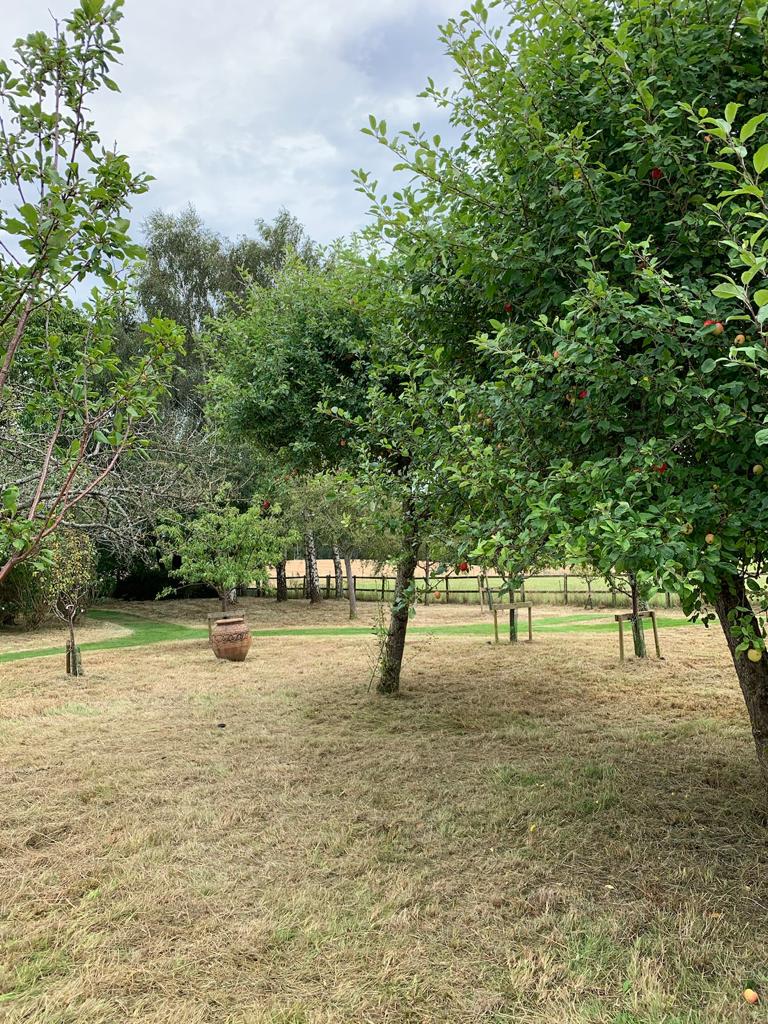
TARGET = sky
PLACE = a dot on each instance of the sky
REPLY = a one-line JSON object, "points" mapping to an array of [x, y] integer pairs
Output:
{"points": [[244, 106]]}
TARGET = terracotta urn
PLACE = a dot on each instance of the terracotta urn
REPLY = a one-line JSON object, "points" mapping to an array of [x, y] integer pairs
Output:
{"points": [[231, 639]]}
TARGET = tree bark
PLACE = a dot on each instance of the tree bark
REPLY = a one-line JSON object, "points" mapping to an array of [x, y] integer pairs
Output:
{"points": [[394, 643], [350, 587], [732, 602], [427, 567], [638, 633], [313, 577], [74, 668], [339, 573], [281, 581]]}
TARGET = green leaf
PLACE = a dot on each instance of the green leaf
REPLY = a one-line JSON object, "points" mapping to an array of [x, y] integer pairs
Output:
{"points": [[761, 437], [751, 126], [646, 96], [761, 296], [760, 159], [91, 7], [11, 499], [708, 366], [730, 112], [722, 166], [728, 290]]}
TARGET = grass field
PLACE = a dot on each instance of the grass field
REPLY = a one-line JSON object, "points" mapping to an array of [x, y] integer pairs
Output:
{"points": [[528, 834]]}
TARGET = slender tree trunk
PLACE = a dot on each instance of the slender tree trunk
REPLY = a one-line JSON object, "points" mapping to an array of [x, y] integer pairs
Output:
{"points": [[394, 643], [282, 582], [74, 666], [313, 576], [350, 587], [427, 567], [638, 633], [338, 572], [733, 603]]}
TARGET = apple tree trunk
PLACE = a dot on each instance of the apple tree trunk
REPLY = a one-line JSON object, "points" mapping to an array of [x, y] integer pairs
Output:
{"points": [[73, 659], [733, 604], [394, 642], [638, 632], [313, 576], [350, 587], [338, 573], [281, 581]]}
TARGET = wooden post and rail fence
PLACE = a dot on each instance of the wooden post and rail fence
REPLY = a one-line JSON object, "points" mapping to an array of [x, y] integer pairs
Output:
{"points": [[569, 589]]}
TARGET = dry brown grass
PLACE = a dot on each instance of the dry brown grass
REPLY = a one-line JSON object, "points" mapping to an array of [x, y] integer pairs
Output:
{"points": [[530, 834]]}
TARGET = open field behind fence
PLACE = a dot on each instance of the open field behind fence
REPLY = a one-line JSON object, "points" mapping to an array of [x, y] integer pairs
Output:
{"points": [[547, 588]]}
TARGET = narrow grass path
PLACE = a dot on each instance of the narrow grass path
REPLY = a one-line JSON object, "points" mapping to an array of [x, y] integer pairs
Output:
{"points": [[144, 632]]}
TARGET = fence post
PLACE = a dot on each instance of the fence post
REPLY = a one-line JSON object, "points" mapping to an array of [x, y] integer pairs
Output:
{"points": [[447, 591], [383, 586], [354, 584], [565, 587], [613, 595], [669, 599], [522, 589], [328, 586]]}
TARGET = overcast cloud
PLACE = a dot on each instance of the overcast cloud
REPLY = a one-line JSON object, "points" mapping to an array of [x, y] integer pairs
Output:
{"points": [[244, 106]]}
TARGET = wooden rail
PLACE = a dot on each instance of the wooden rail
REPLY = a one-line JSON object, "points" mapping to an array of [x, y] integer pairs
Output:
{"points": [[571, 589]]}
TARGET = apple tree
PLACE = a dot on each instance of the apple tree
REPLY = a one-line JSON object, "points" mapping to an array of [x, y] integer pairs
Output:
{"points": [[222, 547], [605, 197], [70, 407]]}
